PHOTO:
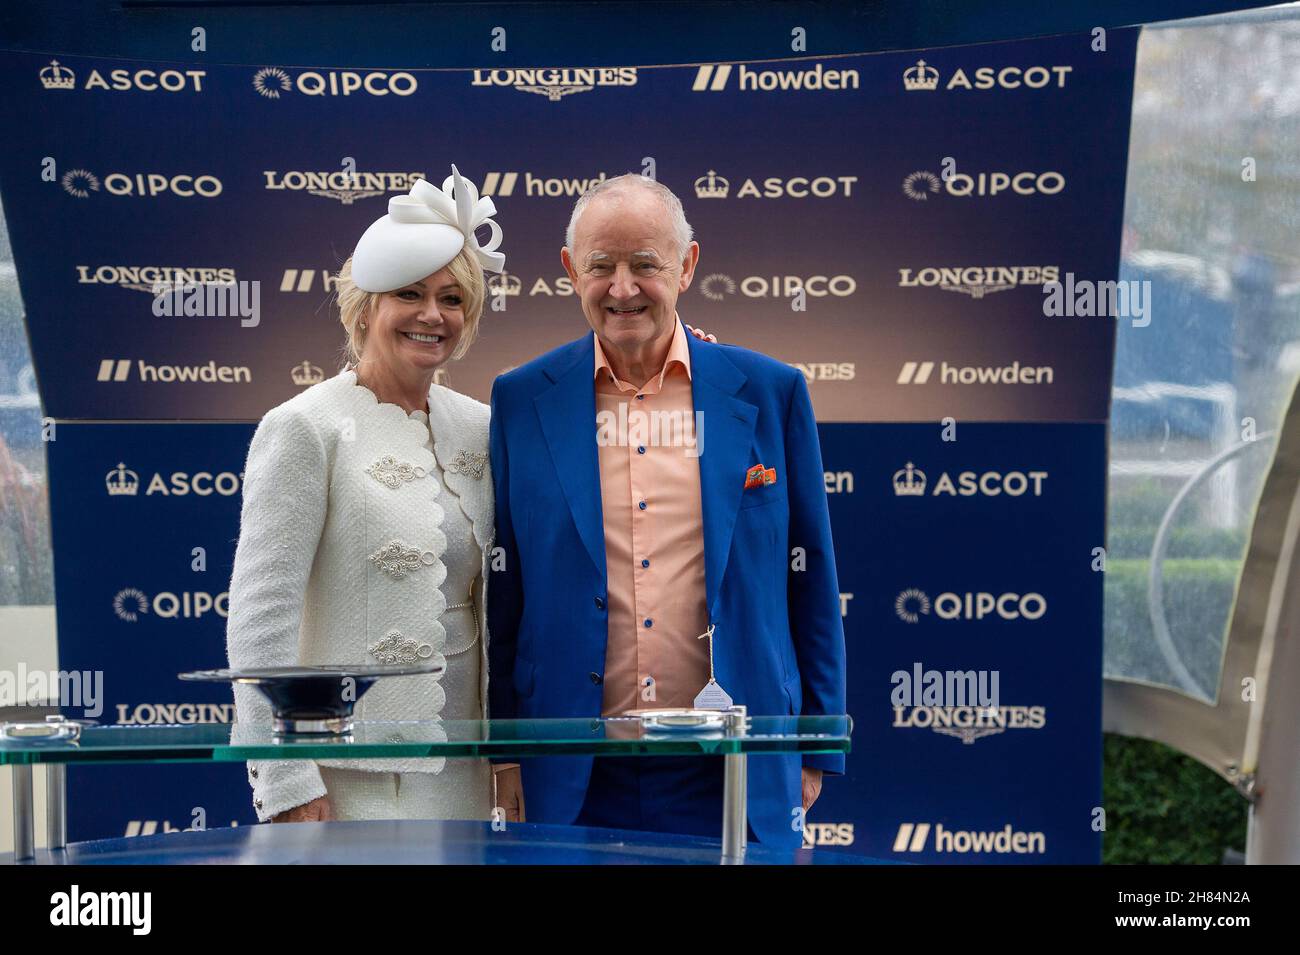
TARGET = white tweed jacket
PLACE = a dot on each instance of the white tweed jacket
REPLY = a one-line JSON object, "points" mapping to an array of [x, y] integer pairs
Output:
{"points": [[340, 552]]}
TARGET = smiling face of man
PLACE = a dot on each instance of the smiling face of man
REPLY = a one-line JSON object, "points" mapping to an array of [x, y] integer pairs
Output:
{"points": [[628, 271]]}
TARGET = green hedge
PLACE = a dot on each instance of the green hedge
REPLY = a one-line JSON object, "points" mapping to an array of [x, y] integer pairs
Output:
{"points": [[1163, 807]]}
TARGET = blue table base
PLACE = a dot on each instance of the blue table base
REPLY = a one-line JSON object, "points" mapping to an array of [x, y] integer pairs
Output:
{"points": [[422, 842]]}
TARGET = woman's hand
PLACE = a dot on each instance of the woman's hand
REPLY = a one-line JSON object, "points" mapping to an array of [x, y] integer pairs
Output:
{"points": [[510, 793], [700, 333], [318, 810]]}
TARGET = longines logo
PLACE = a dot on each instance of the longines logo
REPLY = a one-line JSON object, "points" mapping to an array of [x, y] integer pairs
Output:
{"points": [[130, 604], [173, 714], [718, 286], [978, 280], [58, 77], [914, 836], [924, 78], [827, 834], [272, 82], [123, 482], [910, 481], [346, 187], [150, 278], [146, 185], [714, 78], [713, 186], [921, 185], [119, 369], [555, 84], [912, 604], [552, 187], [920, 373], [970, 723], [826, 370]]}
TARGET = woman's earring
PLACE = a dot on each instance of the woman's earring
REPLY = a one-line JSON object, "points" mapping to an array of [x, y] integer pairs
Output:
{"points": [[363, 326]]}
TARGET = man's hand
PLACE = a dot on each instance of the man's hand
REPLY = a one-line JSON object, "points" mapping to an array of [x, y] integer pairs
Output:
{"points": [[700, 333], [318, 810], [812, 786], [510, 793]]}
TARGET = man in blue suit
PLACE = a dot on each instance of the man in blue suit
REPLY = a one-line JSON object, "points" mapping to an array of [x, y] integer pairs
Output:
{"points": [[619, 552]]}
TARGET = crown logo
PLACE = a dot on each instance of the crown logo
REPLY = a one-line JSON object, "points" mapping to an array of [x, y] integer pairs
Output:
{"points": [[920, 77], [909, 482], [505, 284], [55, 77], [307, 374], [712, 186], [121, 481]]}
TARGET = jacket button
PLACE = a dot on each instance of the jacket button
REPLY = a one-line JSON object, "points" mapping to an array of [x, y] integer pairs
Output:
{"points": [[600, 604], [253, 772], [257, 803], [596, 678]]}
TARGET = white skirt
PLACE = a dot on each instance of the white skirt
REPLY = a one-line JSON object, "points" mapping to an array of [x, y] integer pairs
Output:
{"points": [[463, 790]]}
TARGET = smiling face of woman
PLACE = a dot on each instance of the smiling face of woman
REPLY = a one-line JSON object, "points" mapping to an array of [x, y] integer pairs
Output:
{"points": [[413, 330]]}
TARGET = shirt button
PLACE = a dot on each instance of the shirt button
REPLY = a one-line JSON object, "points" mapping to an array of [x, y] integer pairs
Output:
{"points": [[600, 604], [641, 449], [649, 623], [640, 397], [596, 678], [641, 504], [645, 563]]}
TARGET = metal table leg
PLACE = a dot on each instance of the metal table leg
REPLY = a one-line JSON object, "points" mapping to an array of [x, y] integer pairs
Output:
{"points": [[56, 806], [735, 798], [24, 817]]}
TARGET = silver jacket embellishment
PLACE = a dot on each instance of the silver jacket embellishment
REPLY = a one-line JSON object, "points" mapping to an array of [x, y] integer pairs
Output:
{"points": [[469, 462], [397, 560], [393, 473], [395, 648]]}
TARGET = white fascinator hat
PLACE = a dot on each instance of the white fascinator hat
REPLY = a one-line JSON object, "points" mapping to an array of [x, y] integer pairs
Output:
{"points": [[423, 231]]}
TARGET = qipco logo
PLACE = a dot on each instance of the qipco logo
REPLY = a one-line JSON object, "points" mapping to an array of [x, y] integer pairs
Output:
{"points": [[150, 184], [977, 606]]}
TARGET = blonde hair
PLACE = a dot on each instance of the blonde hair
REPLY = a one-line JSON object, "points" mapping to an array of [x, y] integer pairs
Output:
{"points": [[356, 304]]}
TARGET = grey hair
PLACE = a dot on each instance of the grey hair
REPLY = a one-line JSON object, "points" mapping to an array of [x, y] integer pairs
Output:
{"points": [[682, 231]]}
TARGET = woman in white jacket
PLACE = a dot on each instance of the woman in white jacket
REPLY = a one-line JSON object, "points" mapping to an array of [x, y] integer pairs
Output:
{"points": [[367, 519]]}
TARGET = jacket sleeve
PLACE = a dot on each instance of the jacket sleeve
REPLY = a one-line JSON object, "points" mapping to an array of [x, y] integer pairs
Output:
{"points": [[505, 593], [285, 500], [816, 625]]}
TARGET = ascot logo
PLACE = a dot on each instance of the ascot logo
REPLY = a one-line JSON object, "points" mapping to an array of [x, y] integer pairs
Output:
{"points": [[919, 373], [713, 186], [123, 482], [272, 82], [555, 84], [306, 374], [346, 187], [718, 286], [153, 278], [57, 77], [912, 604], [923, 78], [130, 603], [913, 836], [504, 283], [910, 481], [714, 78], [504, 184], [970, 723], [978, 280], [922, 184], [81, 183], [119, 370]]}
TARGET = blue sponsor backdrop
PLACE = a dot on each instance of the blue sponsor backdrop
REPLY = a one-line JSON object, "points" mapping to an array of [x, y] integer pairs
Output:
{"points": [[884, 222]]}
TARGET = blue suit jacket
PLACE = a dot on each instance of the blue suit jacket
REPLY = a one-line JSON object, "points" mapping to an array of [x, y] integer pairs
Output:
{"points": [[779, 640]]}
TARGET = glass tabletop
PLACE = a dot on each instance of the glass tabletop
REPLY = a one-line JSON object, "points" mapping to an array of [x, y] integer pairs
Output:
{"points": [[619, 736]]}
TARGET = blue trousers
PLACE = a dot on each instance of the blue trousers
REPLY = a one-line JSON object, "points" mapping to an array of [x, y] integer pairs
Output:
{"points": [[677, 794]]}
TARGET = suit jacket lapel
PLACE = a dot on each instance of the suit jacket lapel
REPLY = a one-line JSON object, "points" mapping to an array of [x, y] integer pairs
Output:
{"points": [[726, 433], [567, 411]]}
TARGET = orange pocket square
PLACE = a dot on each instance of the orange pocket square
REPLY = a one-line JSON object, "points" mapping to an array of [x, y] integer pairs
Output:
{"points": [[758, 476]]}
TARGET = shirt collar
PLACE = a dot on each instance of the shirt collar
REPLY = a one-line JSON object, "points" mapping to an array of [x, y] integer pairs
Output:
{"points": [[678, 354]]}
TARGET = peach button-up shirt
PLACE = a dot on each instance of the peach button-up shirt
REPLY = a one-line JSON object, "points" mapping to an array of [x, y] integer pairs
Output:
{"points": [[654, 536]]}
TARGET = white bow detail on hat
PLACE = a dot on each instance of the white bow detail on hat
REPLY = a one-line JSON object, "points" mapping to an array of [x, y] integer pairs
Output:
{"points": [[423, 231]]}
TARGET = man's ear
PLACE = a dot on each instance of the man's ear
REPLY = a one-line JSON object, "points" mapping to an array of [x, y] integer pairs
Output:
{"points": [[689, 261], [567, 259]]}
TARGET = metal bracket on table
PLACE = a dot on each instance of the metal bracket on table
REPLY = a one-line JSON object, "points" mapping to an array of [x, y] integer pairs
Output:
{"points": [[52, 729], [735, 797]]}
